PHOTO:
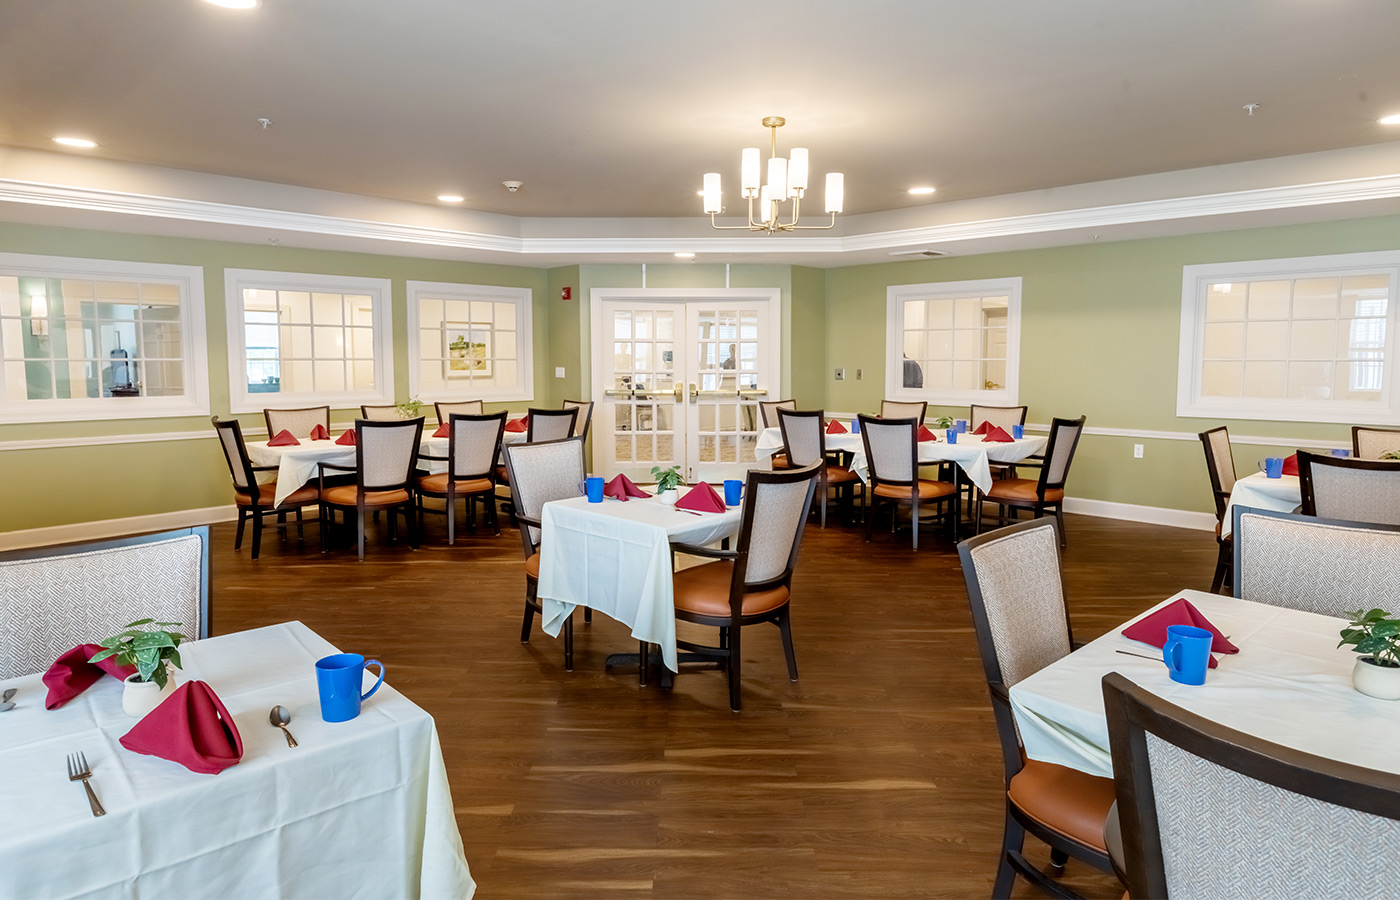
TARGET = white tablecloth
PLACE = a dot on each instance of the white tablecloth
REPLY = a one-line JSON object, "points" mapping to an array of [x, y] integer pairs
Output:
{"points": [[1259, 491], [359, 809], [971, 453], [1289, 684], [616, 558]]}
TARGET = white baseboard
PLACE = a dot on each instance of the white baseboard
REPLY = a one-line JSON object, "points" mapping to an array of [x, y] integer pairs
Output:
{"points": [[109, 528], [1133, 512]]}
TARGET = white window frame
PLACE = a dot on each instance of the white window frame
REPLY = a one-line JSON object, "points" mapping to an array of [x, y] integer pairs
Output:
{"points": [[238, 280], [190, 282], [1190, 403], [523, 298], [895, 297]]}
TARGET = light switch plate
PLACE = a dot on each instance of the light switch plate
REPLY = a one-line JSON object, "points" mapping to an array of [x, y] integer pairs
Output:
{"points": [[840, 374], [858, 372], [558, 371], [1137, 451]]}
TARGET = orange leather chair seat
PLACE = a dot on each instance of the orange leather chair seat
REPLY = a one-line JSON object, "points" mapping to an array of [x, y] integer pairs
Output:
{"points": [[437, 484], [780, 461], [532, 567], [840, 475], [704, 590], [928, 490], [267, 492], [1066, 800], [502, 476], [345, 495], [1023, 491]]}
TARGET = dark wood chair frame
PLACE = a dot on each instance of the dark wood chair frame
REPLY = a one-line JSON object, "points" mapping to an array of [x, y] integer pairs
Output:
{"points": [[1133, 713], [1356, 437], [532, 601], [972, 413], [1225, 557], [951, 501], [778, 460], [1018, 823], [728, 652], [1040, 506], [451, 496], [327, 517], [364, 411], [252, 510], [585, 407], [199, 531], [1237, 587], [1001, 470], [437, 409], [267, 419], [845, 492], [1306, 461]]}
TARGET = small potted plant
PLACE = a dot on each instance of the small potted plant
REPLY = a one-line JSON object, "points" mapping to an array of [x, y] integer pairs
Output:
{"points": [[1377, 635], [667, 481], [1392, 455], [943, 422], [410, 408], [153, 653]]}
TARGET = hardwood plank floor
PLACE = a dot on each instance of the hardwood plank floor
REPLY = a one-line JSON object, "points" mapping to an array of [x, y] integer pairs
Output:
{"points": [[875, 775]]}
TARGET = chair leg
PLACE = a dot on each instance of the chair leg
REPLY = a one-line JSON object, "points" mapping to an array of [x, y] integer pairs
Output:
{"points": [[1058, 858], [821, 487], [569, 643], [914, 520], [1224, 562], [301, 528], [412, 524], [529, 611], [238, 538], [490, 504], [785, 627], [1012, 840], [870, 520], [451, 518], [323, 522], [587, 614], [360, 530], [282, 527], [257, 532], [735, 701]]}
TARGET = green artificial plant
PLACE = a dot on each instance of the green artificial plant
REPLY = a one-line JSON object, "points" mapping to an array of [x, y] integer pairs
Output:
{"points": [[666, 479], [1376, 634], [144, 649]]}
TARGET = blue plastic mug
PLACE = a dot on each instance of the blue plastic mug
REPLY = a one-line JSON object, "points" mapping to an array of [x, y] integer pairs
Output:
{"points": [[733, 491], [1341, 453], [961, 425], [1273, 467], [594, 488], [1018, 431], [855, 426], [952, 435], [1187, 653], [339, 679]]}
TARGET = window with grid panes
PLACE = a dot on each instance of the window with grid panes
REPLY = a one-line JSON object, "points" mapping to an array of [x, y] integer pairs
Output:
{"points": [[954, 342], [469, 342], [644, 344], [727, 363]]}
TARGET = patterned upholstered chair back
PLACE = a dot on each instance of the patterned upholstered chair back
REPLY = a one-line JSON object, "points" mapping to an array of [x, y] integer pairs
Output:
{"points": [[461, 407], [1059, 453], [1316, 565], [551, 425], [298, 421], [775, 513], [1002, 417], [389, 413], [804, 440], [890, 449], [541, 472], [897, 409], [1220, 464], [1357, 490], [236, 455], [387, 452], [585, 416], [59, 597], [1370, 443], [768, 409], [1210, 812], [476, 441]]}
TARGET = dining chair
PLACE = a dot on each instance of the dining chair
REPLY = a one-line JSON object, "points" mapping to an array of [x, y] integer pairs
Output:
{"points": [[1016, 594], [540, 473], [461, 407], [585, 409], [1325, 566], [386, 454], [804, 444], [299, 422], [892, 466], [752, 583], [550, 424], [1208, 811], [63, 596], [899, 409], [473, 443], [1220, 464], [768, 412], [1358, 490], [1370, 443], [1045, 494], [390, 413], [254, 500]]}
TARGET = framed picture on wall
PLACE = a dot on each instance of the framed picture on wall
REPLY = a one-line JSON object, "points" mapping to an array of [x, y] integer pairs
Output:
{"points": [[466, 350]]}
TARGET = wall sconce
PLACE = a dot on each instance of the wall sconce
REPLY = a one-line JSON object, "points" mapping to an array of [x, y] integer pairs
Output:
{"points": [[39, 315]]}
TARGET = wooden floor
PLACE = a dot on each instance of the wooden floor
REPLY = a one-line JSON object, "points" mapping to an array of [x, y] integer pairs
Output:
{"points": [[875, 775]]}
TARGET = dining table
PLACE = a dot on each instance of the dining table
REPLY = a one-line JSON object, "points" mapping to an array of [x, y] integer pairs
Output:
{"points": [[357, 809], [615, 557], [1289, 683], [1258, 491]]}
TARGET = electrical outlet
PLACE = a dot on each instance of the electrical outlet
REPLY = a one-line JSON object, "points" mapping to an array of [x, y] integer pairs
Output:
{"points": [[857, 374], [1137, 451], [840, 374], [558, 371]]}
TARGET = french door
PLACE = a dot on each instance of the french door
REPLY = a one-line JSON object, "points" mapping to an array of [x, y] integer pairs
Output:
{"points": [[677, 376]]}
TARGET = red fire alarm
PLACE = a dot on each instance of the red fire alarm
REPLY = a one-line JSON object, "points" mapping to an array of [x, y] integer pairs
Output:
{"points": [[566, 293]]}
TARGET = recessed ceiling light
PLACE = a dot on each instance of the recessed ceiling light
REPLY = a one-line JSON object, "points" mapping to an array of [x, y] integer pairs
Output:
{"points": [[450, 198], [1390, 120], [236, 4], [685, 256], [84, 143], [922, 190]]}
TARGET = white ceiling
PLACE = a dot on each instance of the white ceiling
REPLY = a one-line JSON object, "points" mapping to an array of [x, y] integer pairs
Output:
{"points": [[614, 108]]}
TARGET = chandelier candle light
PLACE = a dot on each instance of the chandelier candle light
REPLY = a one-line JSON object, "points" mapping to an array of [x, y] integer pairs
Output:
{"points": [[787, 180]]}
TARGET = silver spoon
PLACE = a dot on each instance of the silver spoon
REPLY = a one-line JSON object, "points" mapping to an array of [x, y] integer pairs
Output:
{"points": [[280, 717], [5, 704]]}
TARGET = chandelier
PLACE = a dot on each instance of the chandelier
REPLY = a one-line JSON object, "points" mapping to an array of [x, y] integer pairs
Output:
{"points": [[787, 181]]}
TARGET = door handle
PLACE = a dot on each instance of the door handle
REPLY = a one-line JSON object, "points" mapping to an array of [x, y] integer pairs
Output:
{"points": [[693, 393]]}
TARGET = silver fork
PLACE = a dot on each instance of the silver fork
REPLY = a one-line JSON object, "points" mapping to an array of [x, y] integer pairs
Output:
{"points": [[78, 771]]}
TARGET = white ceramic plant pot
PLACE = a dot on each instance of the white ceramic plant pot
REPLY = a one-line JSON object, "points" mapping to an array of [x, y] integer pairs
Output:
{"points": [[668, 497], [1381, 682], [140, 697]]}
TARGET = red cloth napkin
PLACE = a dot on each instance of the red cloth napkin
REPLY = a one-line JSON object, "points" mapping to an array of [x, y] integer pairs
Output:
{"points": [[835, 427], [1290, 465], [983, 428], [518, 425], [319, 433], [1153, 629], [284, 438], [191, 727], [926, 435], [347, 439], [442, 431], [702, 498], [71, 673], [997, 436], [622, 487]]}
